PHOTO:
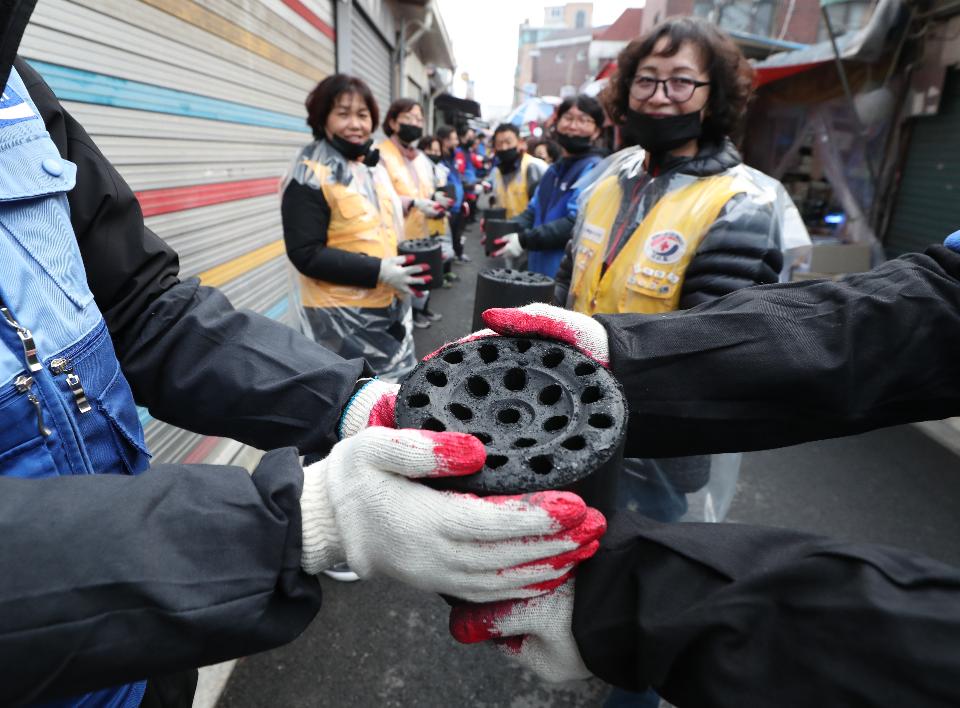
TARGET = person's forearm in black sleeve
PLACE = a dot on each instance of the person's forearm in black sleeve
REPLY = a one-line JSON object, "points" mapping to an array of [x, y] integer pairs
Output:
{"points": [[715, 615], [188, 355], [306, 216], [548, 237], [564, 275], [184, 566], [783, 364]]}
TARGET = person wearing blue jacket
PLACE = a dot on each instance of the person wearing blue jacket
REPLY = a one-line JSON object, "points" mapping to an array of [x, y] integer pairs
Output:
{"points": [[546, 225], [449, 142]]}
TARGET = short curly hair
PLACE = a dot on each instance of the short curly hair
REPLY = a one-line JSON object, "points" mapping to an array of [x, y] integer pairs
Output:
{"points": [[731, 76]]}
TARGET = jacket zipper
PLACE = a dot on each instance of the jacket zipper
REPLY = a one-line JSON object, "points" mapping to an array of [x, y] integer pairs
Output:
{"points": [[62, 365], [26, 341], [23, 384]]}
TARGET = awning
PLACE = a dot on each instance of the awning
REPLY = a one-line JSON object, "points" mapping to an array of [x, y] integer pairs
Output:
{"points": [[865, 45], [446, 102]]}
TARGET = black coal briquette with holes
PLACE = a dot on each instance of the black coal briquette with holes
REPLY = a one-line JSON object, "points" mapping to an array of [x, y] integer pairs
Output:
{"points": [[549, 416], [505, 287], [494, 229], [425, 250]]}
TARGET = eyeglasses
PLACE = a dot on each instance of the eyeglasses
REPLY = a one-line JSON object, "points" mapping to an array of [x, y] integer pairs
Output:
{"points": [[571, 119], [677, 89]]}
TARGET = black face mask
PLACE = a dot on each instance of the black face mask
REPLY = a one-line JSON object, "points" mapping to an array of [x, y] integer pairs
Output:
{"points": [[574, 144], [508, 159], [352, 151], [409, 133], [435, 159], [14, 15], [660, 135]]}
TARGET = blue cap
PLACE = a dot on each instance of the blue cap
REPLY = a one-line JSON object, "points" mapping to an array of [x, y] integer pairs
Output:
{"points": [[953, 241]]}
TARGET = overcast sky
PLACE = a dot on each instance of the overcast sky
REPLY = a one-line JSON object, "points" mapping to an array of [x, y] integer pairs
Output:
{"points": [[484, 34]]}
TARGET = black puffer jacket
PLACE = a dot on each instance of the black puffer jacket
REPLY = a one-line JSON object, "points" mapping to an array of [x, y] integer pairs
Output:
{"points": [[742, 248]]}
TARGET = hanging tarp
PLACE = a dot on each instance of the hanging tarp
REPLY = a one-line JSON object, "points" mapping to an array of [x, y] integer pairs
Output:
{"points": [[865, 45]]}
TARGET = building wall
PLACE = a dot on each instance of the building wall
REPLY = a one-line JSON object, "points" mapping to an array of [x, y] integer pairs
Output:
{"points": [[570, 11], [655, 11], [804, 23], [564, 65], [199, 105]]}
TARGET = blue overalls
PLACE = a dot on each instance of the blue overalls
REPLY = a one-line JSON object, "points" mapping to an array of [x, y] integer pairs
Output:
{"points": [[65, 406], [554, 199]]}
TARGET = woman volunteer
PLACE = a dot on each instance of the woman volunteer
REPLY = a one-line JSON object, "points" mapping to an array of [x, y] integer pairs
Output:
{"points": [[341, 222], [545, 225], [677, 220]]}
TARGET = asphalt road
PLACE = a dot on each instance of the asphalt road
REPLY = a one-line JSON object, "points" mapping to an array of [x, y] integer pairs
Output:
{"points": [[378, 643]]}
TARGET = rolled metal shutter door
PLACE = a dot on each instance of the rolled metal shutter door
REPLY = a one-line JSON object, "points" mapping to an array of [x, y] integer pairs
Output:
{"points": [[370, 58], [200, 106], [927, 206]]}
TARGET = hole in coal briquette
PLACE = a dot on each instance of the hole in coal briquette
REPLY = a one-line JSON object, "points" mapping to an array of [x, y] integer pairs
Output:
{"points": [[584, 369], [434, 425], [523, 345], [591, 394], [555, 423], [488, 353], [525, 442], [600, 420], [515, 379], [551, 394], [485, 438], [460, 411], [418, 400], [437, 378], [453, 357], [552, 358], [541, 464], [478, 386], [495, 461], [508, 416], [575, 443]]}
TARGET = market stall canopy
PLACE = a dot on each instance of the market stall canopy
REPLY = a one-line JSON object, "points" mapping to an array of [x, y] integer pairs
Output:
{"points": [[464, 106], [533, 110], [865, 45]]}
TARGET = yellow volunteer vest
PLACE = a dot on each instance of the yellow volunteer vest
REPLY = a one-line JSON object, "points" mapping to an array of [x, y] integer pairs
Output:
{"points": [[411, 180], [513, 196], [356, 226], [647, 274]]}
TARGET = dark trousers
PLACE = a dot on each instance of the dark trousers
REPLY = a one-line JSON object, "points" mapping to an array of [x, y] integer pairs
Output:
{"points": [[457, 224]]}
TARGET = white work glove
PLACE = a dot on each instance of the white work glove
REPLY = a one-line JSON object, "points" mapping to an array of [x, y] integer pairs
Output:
{"points": [[399, 275], [361, 505], [511, 246], [429, 207], [374, 403], [542, 321], [443, 200], [535, 633]]}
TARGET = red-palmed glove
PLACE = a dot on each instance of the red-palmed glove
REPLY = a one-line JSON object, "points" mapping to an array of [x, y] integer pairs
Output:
{"points": [[541, 321], [373, 404], [362, 504], [535, 633]]}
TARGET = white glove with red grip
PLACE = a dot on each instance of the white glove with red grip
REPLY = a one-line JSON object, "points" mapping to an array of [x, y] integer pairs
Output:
{"points": [[542, 321], [373, 404], [536, 633], [362, 505]]}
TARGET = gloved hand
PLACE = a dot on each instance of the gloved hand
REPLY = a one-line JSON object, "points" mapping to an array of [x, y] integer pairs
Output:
{"points": [[399, 275], [535, 633], [361, 505], [442, 199], [511, 246], [374, 403], [466, 209], [430, 208], [482, 187], [543, 321]]}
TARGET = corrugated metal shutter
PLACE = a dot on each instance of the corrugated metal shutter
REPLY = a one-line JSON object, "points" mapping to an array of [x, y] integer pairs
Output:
{"points": [[927, 206], [199, 105], [371, 58]]}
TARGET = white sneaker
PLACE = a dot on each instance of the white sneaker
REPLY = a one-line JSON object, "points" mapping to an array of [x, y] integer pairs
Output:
{"points": [[342, 573]]}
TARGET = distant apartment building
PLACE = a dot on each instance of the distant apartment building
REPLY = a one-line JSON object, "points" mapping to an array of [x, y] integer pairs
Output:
{"points": [[554, 56]]}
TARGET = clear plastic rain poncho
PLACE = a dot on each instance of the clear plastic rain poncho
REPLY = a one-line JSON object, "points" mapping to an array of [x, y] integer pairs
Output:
{"points": [[355, 322], [696, 488]]}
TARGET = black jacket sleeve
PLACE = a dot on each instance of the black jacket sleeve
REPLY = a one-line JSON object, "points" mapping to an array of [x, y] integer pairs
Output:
{"points": [[564, 276], [782, 364], [189, 356], [525, 219], [548, 237], [715, 615], [741, 249], [182, 566], [306, 216]]}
